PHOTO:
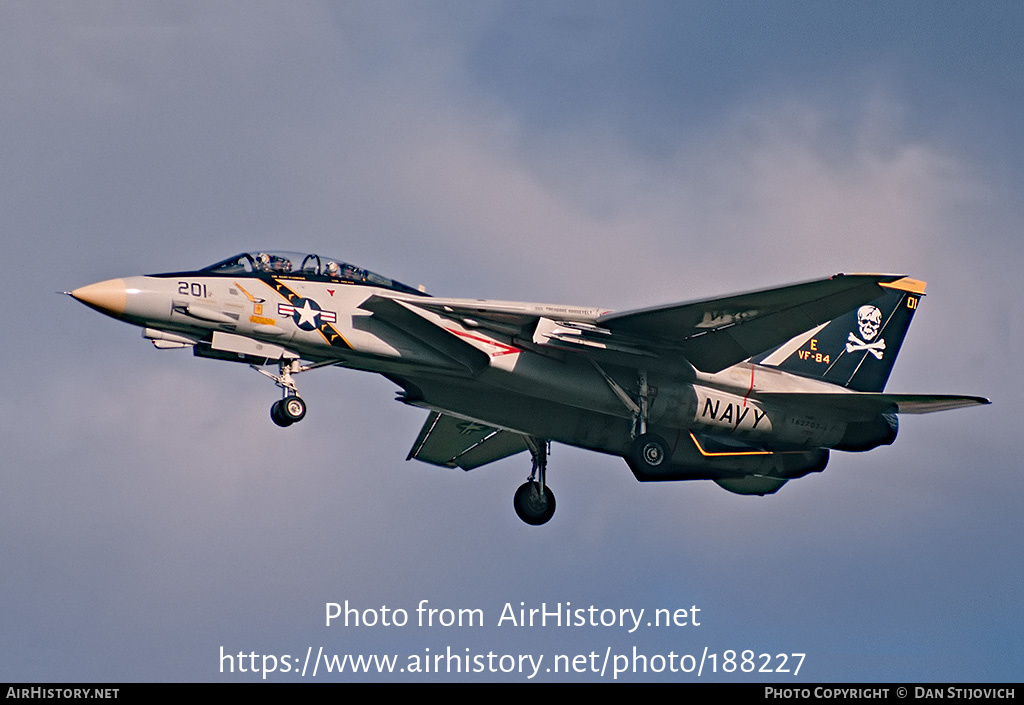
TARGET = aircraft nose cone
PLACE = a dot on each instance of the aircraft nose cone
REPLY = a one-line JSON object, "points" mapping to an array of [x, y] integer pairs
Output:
{"points": [[108, 296]]}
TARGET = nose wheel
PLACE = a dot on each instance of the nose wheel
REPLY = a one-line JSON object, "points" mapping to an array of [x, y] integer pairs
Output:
{"points": [[287, 411]]}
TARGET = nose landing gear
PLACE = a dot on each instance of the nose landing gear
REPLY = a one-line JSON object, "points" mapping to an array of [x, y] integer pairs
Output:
{"points": [[290, 408]]}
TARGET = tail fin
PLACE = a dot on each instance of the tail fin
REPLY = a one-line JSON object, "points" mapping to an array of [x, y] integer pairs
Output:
{"points": [[855, 350]]}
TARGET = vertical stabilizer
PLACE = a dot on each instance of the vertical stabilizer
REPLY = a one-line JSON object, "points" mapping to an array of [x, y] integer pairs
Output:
{"points": [[858, 349]]}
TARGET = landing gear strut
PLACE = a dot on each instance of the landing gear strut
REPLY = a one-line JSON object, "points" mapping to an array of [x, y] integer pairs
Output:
{"points": [[534, 501], [290, 408], [649, 452]]}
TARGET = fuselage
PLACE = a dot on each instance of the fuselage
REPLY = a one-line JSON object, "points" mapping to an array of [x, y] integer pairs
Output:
{"points": [[562, 398], [778, 377]]}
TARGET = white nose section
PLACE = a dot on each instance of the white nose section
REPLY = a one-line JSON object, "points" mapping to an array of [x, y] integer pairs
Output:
{"points": [[108, 297]]}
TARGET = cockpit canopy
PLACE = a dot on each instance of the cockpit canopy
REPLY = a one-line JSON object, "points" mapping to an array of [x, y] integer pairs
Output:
{"points": [[314, 267]]}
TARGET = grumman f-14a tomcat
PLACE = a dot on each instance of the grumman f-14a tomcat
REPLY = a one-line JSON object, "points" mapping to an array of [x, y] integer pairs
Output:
{"points": [[749, 390]]}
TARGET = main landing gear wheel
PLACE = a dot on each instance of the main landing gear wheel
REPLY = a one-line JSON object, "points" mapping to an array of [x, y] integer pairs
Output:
{"points": [[287, 411], [533, 506], [534, 501], [649, 452]]}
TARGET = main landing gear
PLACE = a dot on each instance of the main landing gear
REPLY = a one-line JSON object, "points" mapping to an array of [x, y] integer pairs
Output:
{"points": [[648, 452], [534, 501]]}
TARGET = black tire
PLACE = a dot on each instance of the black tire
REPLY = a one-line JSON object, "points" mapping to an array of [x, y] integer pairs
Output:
{"points": [[650, 452], [292, 408], [278, 417], [533, 507]]}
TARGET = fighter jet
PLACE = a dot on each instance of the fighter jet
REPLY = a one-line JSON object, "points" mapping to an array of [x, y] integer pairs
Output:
{"points": [[748, 390]]}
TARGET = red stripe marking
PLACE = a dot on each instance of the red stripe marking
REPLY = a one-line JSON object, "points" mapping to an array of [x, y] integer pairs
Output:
{"points": [[751, 386], [505, 349]]}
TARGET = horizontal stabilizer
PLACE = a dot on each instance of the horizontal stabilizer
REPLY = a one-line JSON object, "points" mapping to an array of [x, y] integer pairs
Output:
{"points": [[877, 403], [453, 442]]}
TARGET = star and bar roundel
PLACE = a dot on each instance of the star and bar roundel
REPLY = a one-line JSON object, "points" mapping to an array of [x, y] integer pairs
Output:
{"points": [[308, 315]]}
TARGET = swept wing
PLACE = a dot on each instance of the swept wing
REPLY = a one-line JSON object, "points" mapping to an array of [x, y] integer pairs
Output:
{"points": [[712, 334]]}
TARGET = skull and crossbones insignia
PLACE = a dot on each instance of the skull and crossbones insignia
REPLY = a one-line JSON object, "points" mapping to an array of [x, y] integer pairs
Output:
{"points": [[869, 321]]}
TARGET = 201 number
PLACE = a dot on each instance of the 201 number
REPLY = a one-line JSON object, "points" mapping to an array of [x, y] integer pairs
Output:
{"points": [[193, 288]]}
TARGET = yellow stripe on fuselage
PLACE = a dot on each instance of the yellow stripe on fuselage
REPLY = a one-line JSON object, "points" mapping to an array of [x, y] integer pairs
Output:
{"points": [[329, 333]]}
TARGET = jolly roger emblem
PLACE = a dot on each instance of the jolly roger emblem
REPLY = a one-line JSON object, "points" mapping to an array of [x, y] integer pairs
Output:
{"points": [[869, 323]]}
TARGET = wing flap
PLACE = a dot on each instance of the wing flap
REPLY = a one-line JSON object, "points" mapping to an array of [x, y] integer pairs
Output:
{"points": [[452, 442]]}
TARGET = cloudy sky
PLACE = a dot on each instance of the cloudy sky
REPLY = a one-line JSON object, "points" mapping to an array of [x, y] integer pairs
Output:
{"points": [[614, 154]]}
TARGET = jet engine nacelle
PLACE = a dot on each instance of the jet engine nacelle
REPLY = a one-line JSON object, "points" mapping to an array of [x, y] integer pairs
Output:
{"points": [[790, 467], [865, 435], [739, 470]]}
